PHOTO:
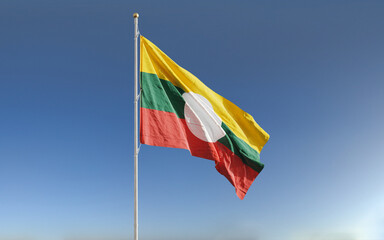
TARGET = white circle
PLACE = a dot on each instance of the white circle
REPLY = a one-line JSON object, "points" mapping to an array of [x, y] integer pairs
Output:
{"points": [[201, 119]]}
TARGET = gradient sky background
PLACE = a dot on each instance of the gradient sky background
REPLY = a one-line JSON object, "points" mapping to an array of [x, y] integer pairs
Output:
{"points": [[310, 72]]}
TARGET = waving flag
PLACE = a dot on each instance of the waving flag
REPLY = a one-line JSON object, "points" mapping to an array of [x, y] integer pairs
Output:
{"points": [[179, 111]]}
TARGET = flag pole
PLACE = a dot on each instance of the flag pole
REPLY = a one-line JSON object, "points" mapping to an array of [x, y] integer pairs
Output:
{"points": [[136, 130]]}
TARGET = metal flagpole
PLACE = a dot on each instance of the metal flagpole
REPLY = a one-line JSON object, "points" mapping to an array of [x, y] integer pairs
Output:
{"points": [[136, 130]]}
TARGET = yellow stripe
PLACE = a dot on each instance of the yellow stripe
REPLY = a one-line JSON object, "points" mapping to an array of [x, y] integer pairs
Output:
{"points": [[154, 61]]}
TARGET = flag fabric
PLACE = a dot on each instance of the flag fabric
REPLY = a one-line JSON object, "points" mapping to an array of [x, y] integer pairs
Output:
{"points": [[179, 111]]}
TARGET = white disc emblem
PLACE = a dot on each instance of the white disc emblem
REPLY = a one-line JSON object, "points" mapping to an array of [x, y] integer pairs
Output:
{"points": [[201, 119]]}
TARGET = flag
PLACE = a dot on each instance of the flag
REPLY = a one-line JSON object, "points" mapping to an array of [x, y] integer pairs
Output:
{"points": [[177, 110]]}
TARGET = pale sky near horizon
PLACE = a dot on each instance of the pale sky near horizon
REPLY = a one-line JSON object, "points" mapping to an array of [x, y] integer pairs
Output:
{"points": [[310, 73]]}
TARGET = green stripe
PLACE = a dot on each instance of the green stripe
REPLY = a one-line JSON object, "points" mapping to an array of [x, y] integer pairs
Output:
{"points": [[162, 95], [248, 155]]}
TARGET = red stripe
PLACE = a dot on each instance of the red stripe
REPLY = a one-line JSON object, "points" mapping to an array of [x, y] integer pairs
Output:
{"points": [[165, 129]]}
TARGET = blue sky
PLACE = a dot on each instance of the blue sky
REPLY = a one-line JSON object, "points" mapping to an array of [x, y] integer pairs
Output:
{"points": [[310, 72]]}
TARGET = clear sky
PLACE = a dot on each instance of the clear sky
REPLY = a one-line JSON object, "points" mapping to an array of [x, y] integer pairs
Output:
{"points": [[310, 72]]}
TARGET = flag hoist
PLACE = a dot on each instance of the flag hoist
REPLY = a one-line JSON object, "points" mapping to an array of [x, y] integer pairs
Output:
{"points": [[177, 110]]}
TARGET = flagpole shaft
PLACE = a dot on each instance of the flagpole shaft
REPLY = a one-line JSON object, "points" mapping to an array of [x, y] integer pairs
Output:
{"points": [[136, 130]]}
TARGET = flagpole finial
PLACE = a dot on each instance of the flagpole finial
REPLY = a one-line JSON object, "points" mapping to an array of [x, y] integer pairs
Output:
{"points": [[135, 15]]}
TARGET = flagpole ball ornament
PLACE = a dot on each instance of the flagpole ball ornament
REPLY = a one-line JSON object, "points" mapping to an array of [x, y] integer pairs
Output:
{"points": [[135, 15]]}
